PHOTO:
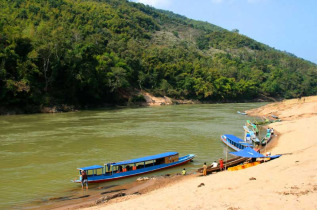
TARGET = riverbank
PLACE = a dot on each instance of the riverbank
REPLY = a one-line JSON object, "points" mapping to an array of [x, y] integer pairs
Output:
{"points": [[138, 99], [135, 98], [288, 182]]}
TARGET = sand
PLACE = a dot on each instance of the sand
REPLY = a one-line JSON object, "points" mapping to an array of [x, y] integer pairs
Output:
{"points": [[288, 182]]}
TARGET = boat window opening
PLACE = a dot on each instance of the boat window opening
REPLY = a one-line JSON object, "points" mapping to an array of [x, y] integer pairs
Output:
{"points": [[139, 165], [108, 168], [128, 168], [94, 172], [160, 161], [99, 171], [116, 169], [148, 163]]}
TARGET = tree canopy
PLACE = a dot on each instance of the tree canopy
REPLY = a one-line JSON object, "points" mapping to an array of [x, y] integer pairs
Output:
{"points": [[84, 52]]}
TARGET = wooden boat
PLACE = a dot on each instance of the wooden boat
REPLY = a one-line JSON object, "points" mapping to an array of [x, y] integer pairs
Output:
{"points": [[254, 138], [242, 113], [266, 139], [267, 121], [264, 121], [226, 164], [246, 165], [274, 116], [234, 142], [253, 126], [134, 167]]}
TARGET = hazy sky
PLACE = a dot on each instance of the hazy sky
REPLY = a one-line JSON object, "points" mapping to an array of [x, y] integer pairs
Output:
{"points": [[289, 25]]}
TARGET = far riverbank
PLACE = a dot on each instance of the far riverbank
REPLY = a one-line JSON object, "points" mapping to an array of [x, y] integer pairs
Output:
{"points": [[140, 99]]}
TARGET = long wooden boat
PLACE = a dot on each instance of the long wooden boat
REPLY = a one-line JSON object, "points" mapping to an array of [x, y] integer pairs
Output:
{"points": [[134, 167], [242, 113], [226, 164], [234, 142], [266, 139], [253, 126], [254, 138], [244, 166]]}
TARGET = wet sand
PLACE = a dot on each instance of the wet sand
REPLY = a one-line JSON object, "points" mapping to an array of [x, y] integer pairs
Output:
{"points": [[288, 182], [96, 196]]}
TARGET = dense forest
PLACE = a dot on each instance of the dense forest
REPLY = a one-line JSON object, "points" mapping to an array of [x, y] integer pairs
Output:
{"points": [[92, 52]]}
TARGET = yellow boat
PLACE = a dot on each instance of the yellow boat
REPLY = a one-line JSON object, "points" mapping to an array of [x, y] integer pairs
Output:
{"points": [[246, 165]]}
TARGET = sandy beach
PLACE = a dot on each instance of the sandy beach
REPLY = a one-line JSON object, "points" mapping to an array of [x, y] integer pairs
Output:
{"points": [[288, 182]]}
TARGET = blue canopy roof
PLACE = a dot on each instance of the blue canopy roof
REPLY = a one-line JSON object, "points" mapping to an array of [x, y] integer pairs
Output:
{"points": [[248, 152], [90, 167], [237, 140], [143, 159]]}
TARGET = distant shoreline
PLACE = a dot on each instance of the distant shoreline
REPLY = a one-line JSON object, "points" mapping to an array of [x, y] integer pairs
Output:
{"points": [[149, 100]]}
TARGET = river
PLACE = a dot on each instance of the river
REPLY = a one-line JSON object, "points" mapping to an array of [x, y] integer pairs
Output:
{"points": [[40, 152]]}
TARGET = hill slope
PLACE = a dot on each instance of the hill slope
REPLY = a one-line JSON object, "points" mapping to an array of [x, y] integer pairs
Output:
{"points": [[89, 52]]}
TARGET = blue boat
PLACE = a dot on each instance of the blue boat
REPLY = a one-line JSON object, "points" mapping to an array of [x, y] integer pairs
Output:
{"points": [[250, 153], [134, 167], [242, 113], [235, 142]]}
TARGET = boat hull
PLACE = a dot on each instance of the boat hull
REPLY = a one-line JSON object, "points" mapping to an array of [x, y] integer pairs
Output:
{"points": [[116, 176], [226, 164], [265, 141], [253, 136], [229, 145], [239, 143]]}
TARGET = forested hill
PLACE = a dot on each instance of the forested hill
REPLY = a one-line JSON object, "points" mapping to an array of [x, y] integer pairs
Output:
{"points": [[90, 52]]}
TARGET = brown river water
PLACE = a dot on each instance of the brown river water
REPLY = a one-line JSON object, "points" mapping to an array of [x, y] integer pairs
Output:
{"points": [[40, 152]]}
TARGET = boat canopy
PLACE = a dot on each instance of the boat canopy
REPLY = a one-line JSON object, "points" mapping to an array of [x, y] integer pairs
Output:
{"points": [[143, 159], [237, 140], [90, 167], [248, 153]]}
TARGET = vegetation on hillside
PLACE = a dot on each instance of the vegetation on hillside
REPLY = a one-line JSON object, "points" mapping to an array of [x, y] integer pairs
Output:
{"points": [[90, 52]]}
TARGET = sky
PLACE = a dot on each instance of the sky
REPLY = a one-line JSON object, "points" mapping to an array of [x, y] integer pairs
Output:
{"points": [[287, 25]]}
